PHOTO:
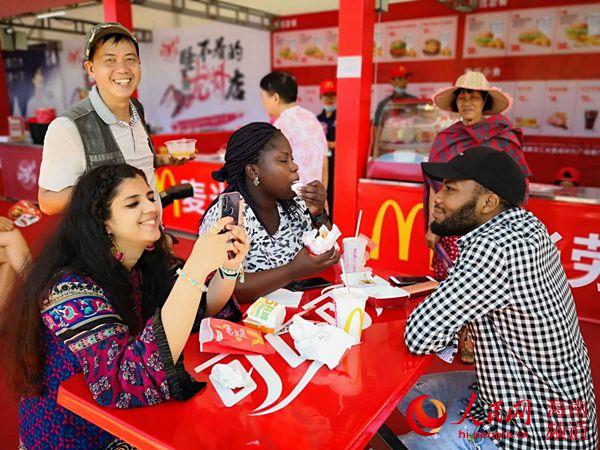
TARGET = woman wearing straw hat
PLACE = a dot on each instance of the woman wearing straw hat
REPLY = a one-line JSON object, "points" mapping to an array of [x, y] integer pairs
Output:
{"points": [[482, 123]]}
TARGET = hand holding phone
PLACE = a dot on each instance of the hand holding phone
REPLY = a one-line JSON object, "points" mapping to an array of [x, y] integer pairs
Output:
{"points": [[229, 206]]}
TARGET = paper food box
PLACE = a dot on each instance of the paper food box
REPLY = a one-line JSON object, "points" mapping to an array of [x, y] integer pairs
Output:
{"points": [[265, 315]]}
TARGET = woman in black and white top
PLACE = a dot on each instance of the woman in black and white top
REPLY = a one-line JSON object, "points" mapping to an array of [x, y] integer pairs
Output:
{"points": [[259, 165]]}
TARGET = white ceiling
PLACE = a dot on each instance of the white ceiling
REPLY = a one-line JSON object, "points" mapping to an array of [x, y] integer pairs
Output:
{"points": [[286, 7], [153, 19]]}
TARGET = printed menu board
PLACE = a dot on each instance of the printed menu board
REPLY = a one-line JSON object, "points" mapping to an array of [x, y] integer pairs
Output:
{"points": [[378, 41], [529, 98], [331, 44], [531, 31], [312, 47], [578, 29], [559, 108], [285, 49], [438, 38], [486, 35], [405, 40], [587, 105], [425, 90], [401, 40], [507, 87]]}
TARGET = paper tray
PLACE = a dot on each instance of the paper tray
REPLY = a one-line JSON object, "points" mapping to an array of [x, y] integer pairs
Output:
{"points": [[414, 291], [387, 302]]}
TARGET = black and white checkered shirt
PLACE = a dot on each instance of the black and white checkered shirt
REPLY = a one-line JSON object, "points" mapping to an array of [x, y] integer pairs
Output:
{"points": [[509, 287]]}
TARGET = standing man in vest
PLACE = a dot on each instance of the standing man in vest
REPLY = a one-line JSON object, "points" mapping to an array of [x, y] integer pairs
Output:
{"points": [[108, 127]]}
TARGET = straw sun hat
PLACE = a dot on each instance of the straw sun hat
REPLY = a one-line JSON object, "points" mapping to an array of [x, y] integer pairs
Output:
{"points": [[475, 81]]}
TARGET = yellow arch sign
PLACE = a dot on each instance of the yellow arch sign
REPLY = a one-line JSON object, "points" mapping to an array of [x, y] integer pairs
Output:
{"points": [[404, 228]]}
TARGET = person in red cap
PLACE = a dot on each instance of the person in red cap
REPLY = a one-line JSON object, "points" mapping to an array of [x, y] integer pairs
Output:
{"points": [[387, 107], [328, 118], [399, 81], [567, 177]]}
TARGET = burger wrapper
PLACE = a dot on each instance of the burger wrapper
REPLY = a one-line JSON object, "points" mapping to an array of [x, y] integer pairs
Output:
{"points": [[321, 240]]}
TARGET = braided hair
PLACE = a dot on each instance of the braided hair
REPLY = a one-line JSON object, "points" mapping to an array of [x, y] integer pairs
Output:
{"points": [[243, 148]]}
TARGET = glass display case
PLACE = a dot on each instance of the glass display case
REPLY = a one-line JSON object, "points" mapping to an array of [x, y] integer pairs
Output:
{"points": [[404, 138]]}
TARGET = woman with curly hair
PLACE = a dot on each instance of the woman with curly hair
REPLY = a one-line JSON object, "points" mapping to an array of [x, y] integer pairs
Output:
{"points": [[102, 299]]}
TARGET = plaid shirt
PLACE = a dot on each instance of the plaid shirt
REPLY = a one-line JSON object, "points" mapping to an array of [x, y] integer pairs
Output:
{"points": [[509, 287]]}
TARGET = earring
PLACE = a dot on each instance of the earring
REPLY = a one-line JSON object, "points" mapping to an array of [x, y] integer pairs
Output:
{"points": [[117, 254], [256, 181], [150, 247]]}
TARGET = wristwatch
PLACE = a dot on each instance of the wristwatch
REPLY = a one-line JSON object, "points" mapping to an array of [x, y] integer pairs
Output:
{"points": [[319, 219]]}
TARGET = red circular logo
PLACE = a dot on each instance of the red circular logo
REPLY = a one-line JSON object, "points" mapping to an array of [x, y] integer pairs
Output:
{"points": [[420, 422]]}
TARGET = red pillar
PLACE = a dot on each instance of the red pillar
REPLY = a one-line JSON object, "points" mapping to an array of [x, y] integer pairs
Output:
{"points": [[4, 102], [118, 11], [356, 22]]}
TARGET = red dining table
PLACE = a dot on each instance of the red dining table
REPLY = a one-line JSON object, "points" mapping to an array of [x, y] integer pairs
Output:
{"points": [[292, 407]]}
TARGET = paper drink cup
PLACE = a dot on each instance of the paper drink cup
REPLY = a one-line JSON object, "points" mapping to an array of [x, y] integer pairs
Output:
{"points": [[354, 254], [181, 148], [350, 310]]}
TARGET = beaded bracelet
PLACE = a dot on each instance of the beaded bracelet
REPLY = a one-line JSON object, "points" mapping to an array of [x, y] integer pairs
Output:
{"points": [[194, 283]]}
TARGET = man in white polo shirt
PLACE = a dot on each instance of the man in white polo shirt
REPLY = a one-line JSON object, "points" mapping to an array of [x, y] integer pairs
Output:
{"points": [[108, 127]]}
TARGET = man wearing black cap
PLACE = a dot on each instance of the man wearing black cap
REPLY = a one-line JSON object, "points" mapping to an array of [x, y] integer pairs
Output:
{"points": [[532, 388], [108, 127]]}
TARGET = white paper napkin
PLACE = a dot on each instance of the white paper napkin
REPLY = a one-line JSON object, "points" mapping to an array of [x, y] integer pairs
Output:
{"points": [[320, 342], [285, 297]]}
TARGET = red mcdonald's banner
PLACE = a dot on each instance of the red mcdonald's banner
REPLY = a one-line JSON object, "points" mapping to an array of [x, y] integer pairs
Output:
{"points": [[393, 217]]}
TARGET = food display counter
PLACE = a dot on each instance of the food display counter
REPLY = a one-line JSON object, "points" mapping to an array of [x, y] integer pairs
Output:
{"points": [[408, 129]]}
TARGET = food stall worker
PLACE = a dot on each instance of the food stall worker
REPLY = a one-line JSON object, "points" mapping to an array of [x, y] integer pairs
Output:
{"points": [[106, 127], [567, 177], [328, 119], [386, 107], [279, 92]]}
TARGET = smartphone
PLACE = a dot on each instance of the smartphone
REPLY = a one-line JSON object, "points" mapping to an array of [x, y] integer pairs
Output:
{"points": [[402, 281], [308, 283], [229, 205]]}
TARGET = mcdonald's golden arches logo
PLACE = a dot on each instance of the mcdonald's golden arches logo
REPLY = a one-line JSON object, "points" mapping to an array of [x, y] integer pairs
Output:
{"points": [[405, 226]]}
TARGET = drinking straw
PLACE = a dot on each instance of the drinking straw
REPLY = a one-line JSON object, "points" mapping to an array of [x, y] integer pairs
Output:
{"points": [[344, 278], [358, 223]]}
